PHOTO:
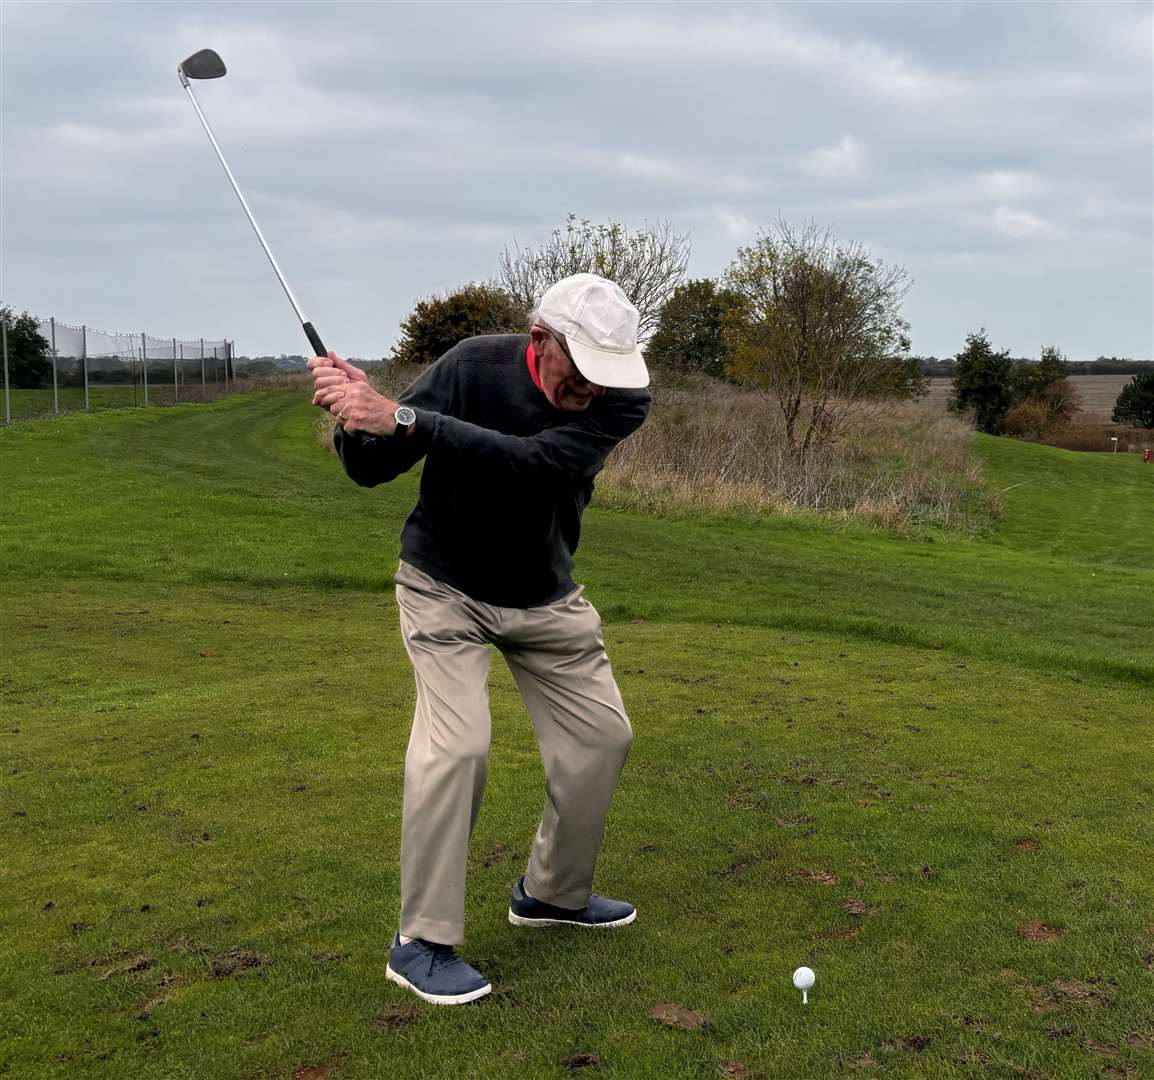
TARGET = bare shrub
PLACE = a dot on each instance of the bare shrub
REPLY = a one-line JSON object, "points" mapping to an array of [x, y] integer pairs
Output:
{"points": [[711, 446]]}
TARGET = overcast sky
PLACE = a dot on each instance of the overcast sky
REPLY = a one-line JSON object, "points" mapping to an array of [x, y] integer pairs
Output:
{"points": [[1001, 152]]}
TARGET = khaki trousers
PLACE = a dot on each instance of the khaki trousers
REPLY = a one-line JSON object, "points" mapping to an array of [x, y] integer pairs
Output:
{"points": [[557, 657]]}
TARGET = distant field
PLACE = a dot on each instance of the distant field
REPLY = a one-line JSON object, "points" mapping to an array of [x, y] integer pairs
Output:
{"points": [[1098, 393]]}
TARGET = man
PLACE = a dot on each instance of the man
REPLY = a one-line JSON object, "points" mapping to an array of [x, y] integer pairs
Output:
{"points": [[513, 428]]}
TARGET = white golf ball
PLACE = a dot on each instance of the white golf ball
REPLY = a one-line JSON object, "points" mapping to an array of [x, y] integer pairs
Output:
{"points": [[804, 978]]}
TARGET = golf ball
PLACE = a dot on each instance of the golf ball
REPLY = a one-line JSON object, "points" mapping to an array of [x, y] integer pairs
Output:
{"points": [[804, 978]]}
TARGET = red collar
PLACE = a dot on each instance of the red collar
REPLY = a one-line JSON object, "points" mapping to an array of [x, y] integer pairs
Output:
{"points": [[531, 363]]}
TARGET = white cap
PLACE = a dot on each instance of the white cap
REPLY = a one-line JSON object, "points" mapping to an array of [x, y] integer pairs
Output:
{"points": [[600, 328]]}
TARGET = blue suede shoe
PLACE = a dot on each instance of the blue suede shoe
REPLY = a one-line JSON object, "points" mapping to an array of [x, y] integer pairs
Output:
{"points": [[599, 912], [435, 973]]}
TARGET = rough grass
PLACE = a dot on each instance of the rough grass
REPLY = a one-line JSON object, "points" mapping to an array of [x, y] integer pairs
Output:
{"points": [[711, 446], [921, 768]]}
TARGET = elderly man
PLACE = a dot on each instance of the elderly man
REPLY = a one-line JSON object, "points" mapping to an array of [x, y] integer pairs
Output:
{"points": [[513, 428]]}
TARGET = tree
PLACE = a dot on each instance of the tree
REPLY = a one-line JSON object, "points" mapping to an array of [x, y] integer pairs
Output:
{"points": [[29, 359], [818, 328], [1045, 400], [435, 325], [1135, 405], [648, 263], [983, 383], [688, 335]]}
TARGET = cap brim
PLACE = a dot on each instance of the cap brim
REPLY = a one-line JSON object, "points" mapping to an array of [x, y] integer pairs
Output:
{"points": [[617, 370]]}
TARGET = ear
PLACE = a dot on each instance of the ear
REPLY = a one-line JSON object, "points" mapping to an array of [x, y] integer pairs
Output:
{"points": [[539, 338]]}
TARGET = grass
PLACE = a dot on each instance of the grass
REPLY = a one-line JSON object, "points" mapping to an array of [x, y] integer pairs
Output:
{"points": [[878, 756], [711, 446], [29, 404]]}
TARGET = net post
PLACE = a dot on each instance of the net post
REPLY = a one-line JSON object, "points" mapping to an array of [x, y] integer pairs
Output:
{"points": [[55, 388], [7, 395], [144, 367], [84, 362], [175, 383], [203, 388]]}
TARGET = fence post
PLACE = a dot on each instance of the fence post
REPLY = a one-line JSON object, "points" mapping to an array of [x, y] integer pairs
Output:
{"points": [[55, 391], [175, 384], [203, 390], [144, 366], [7, 396], [84, 361]]}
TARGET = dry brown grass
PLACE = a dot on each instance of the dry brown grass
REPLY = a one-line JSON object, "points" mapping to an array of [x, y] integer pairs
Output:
{"points": [[1095, 435], [708, 446]]}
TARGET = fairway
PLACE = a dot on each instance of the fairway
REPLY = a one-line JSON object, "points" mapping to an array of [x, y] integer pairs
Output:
{"points": [[922, 767]]}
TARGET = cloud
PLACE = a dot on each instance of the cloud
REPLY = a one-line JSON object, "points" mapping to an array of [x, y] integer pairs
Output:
{"points": [[843, 161], [394, 151], [1020, 224]]}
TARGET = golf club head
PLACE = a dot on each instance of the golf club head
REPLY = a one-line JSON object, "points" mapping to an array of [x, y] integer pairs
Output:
{"points": [[205, 64]]}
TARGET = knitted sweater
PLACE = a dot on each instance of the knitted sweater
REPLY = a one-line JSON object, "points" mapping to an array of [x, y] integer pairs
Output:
{"points": [[506, 475]]}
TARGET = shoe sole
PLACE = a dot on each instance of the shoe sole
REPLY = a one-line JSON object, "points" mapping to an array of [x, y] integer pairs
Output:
{"points": [[520, 920], [437, 999]]}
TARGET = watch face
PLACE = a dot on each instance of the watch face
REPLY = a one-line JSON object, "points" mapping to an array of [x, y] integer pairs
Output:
{"points": [[405, 416]]}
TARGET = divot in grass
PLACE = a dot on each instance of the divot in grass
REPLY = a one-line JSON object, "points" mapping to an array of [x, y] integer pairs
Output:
{"points": [[680, 1017]]}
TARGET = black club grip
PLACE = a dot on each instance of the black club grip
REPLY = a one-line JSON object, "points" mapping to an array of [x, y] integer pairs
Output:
{"points": [[315, 340]]}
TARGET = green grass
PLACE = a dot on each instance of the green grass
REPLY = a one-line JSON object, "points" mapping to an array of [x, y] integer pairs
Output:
{"points": [[205, 705], [28, 404]]}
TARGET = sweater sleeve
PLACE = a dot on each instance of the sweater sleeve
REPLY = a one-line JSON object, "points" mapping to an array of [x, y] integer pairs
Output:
{"points": [[370, 459], [576, 450]]}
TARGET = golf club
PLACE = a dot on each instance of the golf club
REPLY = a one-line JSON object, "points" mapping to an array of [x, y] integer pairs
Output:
{"points": [[207, 64]]}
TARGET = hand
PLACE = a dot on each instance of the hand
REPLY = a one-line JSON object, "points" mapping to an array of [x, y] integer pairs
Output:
{"points": [[350, 398], [336, 365]]}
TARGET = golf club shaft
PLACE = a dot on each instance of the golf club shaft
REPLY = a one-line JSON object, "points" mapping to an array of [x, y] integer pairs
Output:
{"points": [[310, 332]]}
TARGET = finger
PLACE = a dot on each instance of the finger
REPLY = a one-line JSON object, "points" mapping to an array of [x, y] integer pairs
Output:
{"points": [[322, 381], [329, 397], [319, 362]]}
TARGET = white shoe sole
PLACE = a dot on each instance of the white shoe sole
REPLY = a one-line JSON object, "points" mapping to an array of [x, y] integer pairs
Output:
{"points": [[520, 920], [438, 999]]}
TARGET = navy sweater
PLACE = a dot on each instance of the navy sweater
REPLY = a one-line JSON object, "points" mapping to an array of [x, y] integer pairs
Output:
{"points": [[506, 475]]}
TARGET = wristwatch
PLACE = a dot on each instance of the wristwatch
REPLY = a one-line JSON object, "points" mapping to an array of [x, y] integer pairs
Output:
{"points": [[405, 418]]}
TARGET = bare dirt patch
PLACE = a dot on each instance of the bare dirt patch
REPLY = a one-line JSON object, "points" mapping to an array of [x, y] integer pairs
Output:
{"points": [[234, 962], [860, 907], [680, 1017], [581, 1061], [735, 1070], [396, 1016], [1035, 930], [131, 967], [847, 933], [1027, 843], [864, 1060], [1097, 992], [817, 877]]}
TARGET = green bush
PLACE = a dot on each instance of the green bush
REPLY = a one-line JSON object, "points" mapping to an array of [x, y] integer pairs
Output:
{"points": [[435, 325]]}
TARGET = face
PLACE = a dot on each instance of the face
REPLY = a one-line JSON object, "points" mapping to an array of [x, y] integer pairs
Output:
{"points": [[565, 387]]}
